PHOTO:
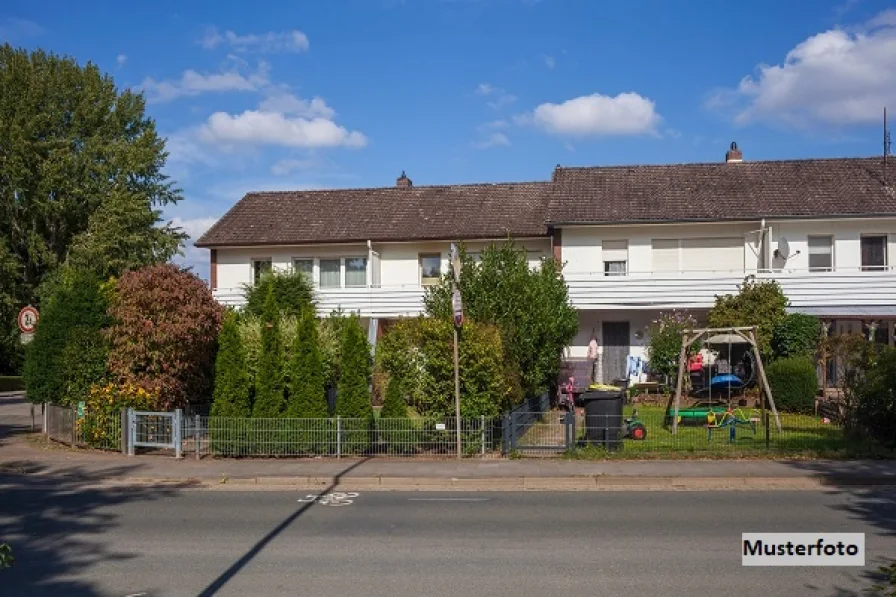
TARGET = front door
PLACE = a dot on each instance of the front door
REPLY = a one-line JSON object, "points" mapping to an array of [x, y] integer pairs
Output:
{"points": [[616, 350]]}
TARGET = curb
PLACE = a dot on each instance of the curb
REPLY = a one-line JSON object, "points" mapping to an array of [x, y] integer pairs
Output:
{"points": [[499, 484]]}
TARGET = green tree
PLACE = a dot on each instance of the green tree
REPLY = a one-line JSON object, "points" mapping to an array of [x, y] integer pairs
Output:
{"points": [[81, 176], [760, 304], [231, 393], [530, 307], [269, 379], [66, 355], [797, 335], [665, 342], [394, 406], [307, 391], [354, 378], [292, 291]]}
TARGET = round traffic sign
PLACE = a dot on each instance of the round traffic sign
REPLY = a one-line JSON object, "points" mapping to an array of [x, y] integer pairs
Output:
{"points": [[28, 320]]}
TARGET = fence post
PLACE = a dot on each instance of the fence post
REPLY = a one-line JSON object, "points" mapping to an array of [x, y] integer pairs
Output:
{"points": [[338, 437], [767, 438], [123, 439], [512, 431], [46, 412], [132, 431], [176, 432], [74, 412], [196, 434], [482, 429]]}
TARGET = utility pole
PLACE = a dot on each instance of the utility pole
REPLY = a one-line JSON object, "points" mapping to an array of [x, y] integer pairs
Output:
{"points": [[458, 322], [886, 146]]}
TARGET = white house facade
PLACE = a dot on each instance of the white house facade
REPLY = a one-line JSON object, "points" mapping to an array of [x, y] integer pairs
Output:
{"points": [[635, 242]]}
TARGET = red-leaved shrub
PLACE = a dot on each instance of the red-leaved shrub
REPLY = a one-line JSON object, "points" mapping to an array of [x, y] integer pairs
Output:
{"points": [[164, 333]]}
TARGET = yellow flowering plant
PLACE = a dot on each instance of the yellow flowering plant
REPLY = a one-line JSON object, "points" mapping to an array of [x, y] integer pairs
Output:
{"points": [[100, 426]]}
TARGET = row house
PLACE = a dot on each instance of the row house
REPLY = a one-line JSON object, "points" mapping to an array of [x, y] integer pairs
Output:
{"points": [[635, 241]]}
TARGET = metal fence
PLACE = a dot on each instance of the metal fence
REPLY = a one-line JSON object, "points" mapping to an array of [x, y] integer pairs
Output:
{"points": [[95, 430], [337, 437], [60, 424]]}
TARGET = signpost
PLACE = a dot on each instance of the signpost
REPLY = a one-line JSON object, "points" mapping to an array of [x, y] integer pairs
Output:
{"points": [[458, 322], [27, 320]]}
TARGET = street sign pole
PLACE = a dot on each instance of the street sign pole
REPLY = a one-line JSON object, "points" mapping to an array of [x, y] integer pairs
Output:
{"points": [[458, 322]]}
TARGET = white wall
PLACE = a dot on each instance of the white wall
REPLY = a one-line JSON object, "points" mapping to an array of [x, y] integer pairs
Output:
{"points": [[846, 233], [582, 245], [399, 262]]}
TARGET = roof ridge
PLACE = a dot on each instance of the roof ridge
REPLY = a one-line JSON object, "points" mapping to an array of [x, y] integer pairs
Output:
{"points": [[394, 188], [720, 163]]}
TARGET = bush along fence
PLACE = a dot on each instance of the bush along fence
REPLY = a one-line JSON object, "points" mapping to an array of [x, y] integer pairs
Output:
{"points": [[521, 432]]}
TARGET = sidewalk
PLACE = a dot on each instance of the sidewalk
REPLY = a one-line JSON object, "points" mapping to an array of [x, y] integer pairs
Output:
{"points": [[21, 454]]}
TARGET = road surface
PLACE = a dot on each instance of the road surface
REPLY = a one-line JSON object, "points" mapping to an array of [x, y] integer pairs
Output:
{"points": [[72, 540]]}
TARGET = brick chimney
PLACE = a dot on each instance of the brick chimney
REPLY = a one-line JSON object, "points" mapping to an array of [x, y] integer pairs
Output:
{"points": [[733, 155], [403, 181]]}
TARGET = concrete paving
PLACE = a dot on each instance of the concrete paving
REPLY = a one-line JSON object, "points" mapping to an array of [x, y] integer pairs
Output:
{"points": [[72, 540]]}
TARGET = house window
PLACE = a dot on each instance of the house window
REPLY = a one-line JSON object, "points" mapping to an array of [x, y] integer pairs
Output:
{"points": [[304, 266], [821, 253], [356, 271], [615, 255], [330, 273], [430, 269], [874, 252], [259, 268]]}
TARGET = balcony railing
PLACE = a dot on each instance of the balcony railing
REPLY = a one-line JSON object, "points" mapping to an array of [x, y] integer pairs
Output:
{"points": [[642, 290]]}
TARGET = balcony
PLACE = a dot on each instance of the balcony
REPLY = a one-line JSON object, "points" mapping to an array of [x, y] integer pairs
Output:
{"points": [[380, 301], [697, 290]]}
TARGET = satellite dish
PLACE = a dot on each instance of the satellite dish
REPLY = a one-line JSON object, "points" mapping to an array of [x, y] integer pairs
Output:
{"points": [[783, 250]]}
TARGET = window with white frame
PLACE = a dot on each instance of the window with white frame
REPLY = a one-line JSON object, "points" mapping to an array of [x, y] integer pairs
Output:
{"points": [[874, 252], [615, 256], [821, 253], [330, 273], [355, 271], [304, 266], [430, 268], [260, 267]]}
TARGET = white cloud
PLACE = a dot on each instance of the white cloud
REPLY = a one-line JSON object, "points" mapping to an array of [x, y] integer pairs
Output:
{"points": [[493, 140], [549, 61], [270, 42], [288, 103], [494, 125], [121, 60], [288, 166], [192, 83], [500, 98], [596, 114], [255, 127], [836, 77]]}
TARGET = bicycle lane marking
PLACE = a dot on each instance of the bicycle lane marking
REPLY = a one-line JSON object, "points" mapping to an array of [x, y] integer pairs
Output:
{"points": [[333, 499]]}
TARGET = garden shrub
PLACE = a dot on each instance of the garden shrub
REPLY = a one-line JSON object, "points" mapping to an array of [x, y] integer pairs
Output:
{"points": [[102, 412], [231, 393], [794, 384], [875, 398], [293, 293], [797, 335], [269, 379], [11, 383], [394, 426], [353, 402], [164, 334], [530, 308], [760, 304], [74, 311], [330, 333], [665, 334], [307, 392]]}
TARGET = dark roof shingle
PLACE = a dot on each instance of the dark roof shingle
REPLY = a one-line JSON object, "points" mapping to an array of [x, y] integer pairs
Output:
{"points": [[383, 214], [721, 191]]}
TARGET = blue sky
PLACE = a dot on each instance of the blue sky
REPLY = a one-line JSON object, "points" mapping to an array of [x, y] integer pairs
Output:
{"points": [[289, 95]]}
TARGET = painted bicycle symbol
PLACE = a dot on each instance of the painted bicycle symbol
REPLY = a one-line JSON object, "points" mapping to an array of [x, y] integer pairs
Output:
{"points": [[337, 498]]}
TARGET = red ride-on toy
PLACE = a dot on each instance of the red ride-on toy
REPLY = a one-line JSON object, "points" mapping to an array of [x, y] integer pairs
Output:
{"points": [[634, 429]]}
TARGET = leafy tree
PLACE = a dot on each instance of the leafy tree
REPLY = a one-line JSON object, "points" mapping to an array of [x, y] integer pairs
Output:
{"points": [[797, 335], [394, 406], [354, 376], [164, 334], [12, 354], [794, 384], [269, 380], [293, 293], [666, 335], [67, 355], [330, 333], [530, 307], [875, 395], [307, 392], [231, 393], [760, 304], [81, 175]]}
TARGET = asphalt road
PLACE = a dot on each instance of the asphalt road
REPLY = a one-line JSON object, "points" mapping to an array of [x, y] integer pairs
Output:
{"points": [[76, 541]]}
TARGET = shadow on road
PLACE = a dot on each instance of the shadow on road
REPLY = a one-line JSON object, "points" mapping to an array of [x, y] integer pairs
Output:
{"points": [[875, 507], [234, 569], [55, 525]]}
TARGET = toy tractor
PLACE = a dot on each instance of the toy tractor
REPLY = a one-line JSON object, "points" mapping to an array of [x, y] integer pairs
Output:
{"points": [[633, 428]]}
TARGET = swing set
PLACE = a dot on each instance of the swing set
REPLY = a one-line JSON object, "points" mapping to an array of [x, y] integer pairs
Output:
{"points": [[727, 419]]}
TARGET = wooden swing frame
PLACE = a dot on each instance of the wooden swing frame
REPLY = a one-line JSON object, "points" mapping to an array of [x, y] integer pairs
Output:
{"points": [[748, 333]]}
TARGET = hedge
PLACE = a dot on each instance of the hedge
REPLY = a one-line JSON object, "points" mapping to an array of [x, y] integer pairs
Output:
{"points": [[794, 384]]}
